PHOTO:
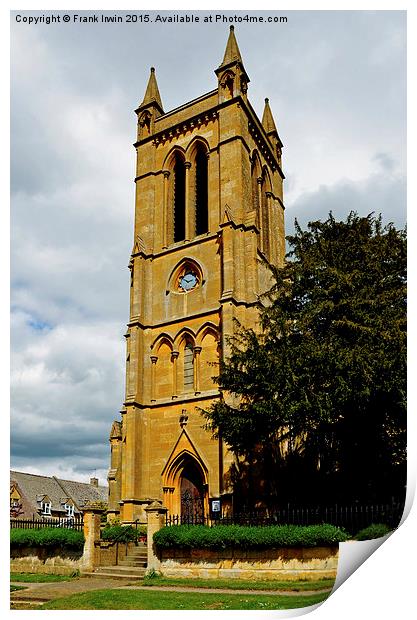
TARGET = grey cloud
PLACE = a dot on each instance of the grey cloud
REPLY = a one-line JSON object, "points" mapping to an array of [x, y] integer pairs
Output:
{"points": [[379, 194], [336, 83], [94, 453], [385, 161]]}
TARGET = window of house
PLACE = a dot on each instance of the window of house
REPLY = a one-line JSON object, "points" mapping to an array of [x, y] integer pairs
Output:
{"points": [[70, 510], [46, 508]]}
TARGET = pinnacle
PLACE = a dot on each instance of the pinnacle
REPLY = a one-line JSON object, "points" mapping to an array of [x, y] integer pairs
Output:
{"points": [[267, 118], [232, 53], [152, 91]]}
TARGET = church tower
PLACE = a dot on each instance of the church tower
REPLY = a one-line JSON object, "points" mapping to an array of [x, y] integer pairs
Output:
{"points": [[209, 212]]}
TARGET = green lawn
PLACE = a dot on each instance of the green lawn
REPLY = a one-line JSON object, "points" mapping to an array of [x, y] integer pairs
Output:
{"points": [[239, 584], [38, 577], [146, 599], [14, 588]]}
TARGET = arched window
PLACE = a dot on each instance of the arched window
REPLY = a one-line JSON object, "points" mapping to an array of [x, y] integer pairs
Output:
{"points": [[179, 198], [255, 191], [163, 387], [255, 175], [209, 359], [265, 221], [188, 367], [201, 193], [145, 124]]}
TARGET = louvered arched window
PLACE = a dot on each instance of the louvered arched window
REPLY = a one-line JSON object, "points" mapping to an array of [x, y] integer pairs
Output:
{"points": [[179, 198], [188, 367], [201, 191]]}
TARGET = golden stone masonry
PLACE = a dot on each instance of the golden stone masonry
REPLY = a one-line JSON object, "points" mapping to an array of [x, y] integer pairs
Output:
{"points": [[209, 210]]}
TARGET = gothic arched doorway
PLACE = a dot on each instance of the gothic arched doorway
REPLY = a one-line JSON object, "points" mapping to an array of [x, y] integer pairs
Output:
{"points": [[192, 494]]}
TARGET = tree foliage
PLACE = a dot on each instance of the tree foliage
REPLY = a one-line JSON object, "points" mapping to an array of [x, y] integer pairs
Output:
{"points": [[316, 400]]}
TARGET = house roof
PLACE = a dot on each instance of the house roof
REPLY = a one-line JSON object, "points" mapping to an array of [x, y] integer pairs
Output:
{"points": [[83, 492], [25, 505], [34, 487]]}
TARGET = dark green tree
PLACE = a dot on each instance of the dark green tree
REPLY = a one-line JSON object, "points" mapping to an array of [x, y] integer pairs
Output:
{"points": [[315, 404]]}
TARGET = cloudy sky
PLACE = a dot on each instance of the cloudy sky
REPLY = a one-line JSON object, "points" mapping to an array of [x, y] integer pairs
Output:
{"points": [[336, 84]]}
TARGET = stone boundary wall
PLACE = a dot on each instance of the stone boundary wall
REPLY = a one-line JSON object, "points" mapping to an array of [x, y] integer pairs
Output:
{"points": [[287, 564], [55, 560], [51, 560]]}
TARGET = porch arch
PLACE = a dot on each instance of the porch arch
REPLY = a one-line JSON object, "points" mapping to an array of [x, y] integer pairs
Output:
{"points": [[185, 486]]}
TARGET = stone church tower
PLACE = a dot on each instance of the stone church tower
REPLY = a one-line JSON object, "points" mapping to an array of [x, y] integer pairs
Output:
{"points": [[209, 211]]}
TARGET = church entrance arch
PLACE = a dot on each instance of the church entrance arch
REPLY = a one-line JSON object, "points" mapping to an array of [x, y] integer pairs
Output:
{"points": [[192, 494], [185, 487]]}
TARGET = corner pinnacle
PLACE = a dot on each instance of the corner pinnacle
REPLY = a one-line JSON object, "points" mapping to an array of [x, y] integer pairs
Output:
{"points": [[268, 122], [152, 91]]}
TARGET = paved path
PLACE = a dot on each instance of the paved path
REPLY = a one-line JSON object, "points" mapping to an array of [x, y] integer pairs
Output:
{"points": [[38, 593], [227, 590]]}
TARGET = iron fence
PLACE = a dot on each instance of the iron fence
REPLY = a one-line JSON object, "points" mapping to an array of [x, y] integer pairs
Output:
{"points": [[37, 523], [351, 517]]}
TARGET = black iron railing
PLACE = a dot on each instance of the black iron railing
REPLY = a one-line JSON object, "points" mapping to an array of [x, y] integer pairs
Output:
{"points": [[37, 523], [351, 517]]}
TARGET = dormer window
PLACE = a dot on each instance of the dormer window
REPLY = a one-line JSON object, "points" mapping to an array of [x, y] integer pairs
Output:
{"points": [[46, 507], [69, 509], [44, 504]]}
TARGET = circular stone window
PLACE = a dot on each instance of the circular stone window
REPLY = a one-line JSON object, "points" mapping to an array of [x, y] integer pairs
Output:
{"points": [[185, 277]]}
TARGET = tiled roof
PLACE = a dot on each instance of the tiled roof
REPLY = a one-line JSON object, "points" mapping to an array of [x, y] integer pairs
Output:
{"points": [[83, 492], [34, 487]]}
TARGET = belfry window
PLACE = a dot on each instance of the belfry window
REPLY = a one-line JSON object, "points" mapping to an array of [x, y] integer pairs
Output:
{"points": [[201, 206], [179, 199], [188, 368], [265, 221]]}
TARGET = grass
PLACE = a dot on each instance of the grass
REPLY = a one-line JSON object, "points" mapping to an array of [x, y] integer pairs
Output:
{"points": [[239, 584], [14, 588], [146, 599], [38, 577]]}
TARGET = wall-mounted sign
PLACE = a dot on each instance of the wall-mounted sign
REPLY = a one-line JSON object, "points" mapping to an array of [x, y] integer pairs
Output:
{"points": [[215, 505]]}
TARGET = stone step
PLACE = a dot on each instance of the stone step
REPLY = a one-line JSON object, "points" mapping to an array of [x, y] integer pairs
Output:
{"points": [[28, 598], [118, 576], [136, 556], [130, 561], [122, 569], [137, 571], [22, 604], [138, 551]]}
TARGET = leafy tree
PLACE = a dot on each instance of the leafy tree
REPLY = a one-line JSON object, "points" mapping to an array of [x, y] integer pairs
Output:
{"points": [[314, 404]]}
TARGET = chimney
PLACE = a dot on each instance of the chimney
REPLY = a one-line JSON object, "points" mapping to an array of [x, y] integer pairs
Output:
{"points": [[94, 482]]}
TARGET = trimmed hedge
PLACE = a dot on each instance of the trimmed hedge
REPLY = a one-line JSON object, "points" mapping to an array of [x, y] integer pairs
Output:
{"points": [[248, 537], [375, 530], [119, 533], [47, 537]]}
